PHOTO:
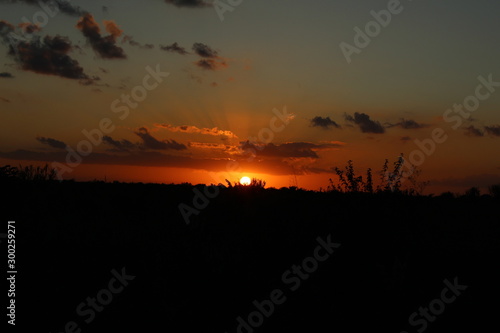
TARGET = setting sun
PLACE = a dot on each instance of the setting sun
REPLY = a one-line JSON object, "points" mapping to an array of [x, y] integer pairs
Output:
{"points": [[245, 181]]}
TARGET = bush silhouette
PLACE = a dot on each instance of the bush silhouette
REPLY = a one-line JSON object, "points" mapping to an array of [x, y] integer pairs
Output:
{"points": [[390, 181], [28, 173], [495, 191]]}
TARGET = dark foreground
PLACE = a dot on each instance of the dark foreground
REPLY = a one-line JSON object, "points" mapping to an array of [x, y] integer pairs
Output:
{"points": [[98, 257]]}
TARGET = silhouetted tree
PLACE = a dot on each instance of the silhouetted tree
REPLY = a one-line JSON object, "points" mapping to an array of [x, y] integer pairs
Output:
{"points": [[495, 191]]}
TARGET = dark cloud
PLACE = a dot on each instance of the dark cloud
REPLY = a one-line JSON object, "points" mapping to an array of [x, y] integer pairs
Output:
{"points": [[122, 145], [104, 46], [290, 149], [4, 100], [130, 40], [365, 123], [211, 60], [407, 124], [204, 50], [6, 75], [473, 131], [493, 130], [149, 142], [325, 123], [189, 3], [63, 6], [51, 142], [405, 139], [211, 64], [174, 48], [48, 56]]}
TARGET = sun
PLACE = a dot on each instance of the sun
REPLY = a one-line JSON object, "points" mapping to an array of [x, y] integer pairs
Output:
{"points": [[245, 181]]}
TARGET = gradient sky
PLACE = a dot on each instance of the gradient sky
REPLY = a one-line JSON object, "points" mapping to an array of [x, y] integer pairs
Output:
{"points": [[227, 77]]}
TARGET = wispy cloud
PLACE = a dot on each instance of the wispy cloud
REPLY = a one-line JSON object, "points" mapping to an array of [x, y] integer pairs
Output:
{"points": [[493, 130], [63, 6], [149, 142], [189, 3], [51, 142], [193, 129], [175, 48], [473, 131], [211, 59], [407, 124], [290, 149], [119, 145]]}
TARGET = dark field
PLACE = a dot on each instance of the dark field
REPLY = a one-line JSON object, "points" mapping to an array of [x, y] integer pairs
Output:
{"points": [[391, 256]]}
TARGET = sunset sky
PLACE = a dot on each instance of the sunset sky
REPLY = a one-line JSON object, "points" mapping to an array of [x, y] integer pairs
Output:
{"points": [[270, 67]]}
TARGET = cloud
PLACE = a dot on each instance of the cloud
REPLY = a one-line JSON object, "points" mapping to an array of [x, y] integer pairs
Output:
{"points": [[4, 100], [104, 46], [130, 40], [211, 64], [325, 123], [474, 132], [149, 142], [29, 28], [407, 124], [290, 149], [365, 123], [6, 75], [211, 59], [405, 139], [208, 145], [63, 6], [189, 3], [175, 48], [122, 145], [193, 129], [493, 130], [49, 55], [51, 142], [204, 50]]}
